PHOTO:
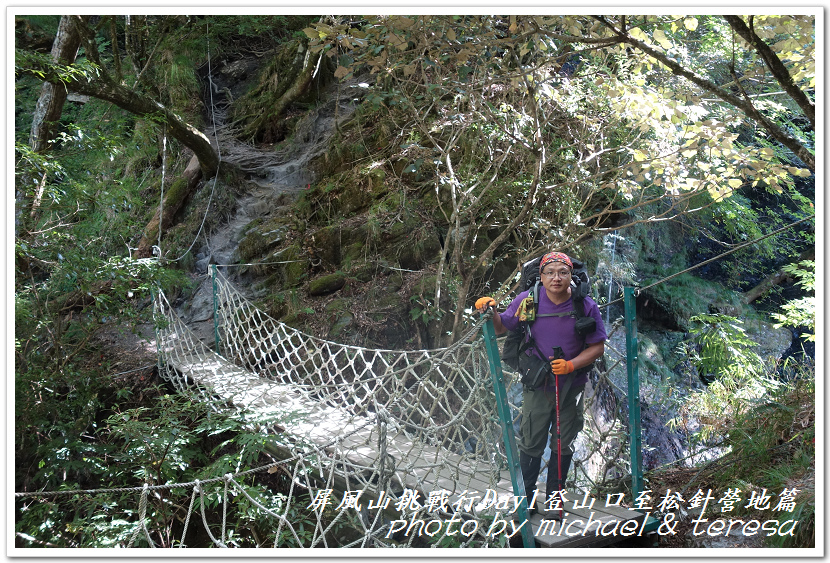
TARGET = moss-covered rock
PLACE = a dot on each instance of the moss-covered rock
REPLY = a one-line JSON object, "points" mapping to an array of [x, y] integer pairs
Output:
{"points": [[295, 267], [252, 246], [340, 328], [366, 272], [339, 314], [327, 284], [261, 236], [326, 244], [353, 253], [285, 268], [388, 305], [394, 282], [377, 182], [276, 304], [421, 248], [342, 196]]}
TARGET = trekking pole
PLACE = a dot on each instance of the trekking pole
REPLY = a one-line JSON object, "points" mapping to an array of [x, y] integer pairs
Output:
{"points": [[558, 354]]}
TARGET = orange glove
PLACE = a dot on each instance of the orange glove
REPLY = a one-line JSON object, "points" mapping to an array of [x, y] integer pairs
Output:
{"points": [[483, 303], [561, 367]]}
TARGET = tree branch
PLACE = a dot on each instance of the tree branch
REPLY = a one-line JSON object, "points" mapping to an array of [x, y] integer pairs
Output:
{"points": [[775, 66]]}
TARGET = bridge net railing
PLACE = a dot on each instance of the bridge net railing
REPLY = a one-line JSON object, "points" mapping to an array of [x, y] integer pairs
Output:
{"points": [[390, 434]]}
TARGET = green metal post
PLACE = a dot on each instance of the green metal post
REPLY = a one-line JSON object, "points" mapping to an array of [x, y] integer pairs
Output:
{"points": [[632, 361], [489, 334], [215, 309]]}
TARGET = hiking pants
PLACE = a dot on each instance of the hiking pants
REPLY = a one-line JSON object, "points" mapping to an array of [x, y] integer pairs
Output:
{"points": [[539, 420]]}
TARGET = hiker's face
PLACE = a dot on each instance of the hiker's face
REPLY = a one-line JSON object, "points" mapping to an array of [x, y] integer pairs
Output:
{"points": [[556, 278]]}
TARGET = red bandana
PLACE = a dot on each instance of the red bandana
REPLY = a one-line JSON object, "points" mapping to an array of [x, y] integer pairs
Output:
{"points": [[555, 257]]}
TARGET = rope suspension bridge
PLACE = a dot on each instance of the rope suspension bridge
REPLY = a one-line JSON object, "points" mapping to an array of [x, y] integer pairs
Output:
{"points": [[403, 447], [397, 445]]}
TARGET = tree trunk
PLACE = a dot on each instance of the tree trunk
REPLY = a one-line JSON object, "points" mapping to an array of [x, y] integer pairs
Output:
{"points": [[777, 278], [139, 104], [297, 89], [173, 200], [52, 96], [50, 104]]}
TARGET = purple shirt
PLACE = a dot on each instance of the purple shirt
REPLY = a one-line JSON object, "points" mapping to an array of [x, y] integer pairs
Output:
{"points": [[557, 331]]}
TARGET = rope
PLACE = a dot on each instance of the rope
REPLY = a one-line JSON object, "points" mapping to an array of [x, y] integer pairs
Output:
{"points": [[163, 173], [187, 519], [218, 152]]}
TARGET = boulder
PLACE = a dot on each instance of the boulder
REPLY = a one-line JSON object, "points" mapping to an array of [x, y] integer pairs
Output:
{"points": [[327, 284]]}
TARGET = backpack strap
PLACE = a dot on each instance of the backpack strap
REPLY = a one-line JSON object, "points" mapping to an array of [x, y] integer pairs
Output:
{"points": [[565, 314]]}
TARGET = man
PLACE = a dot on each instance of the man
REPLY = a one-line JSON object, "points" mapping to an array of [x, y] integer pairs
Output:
{"points": [[552, 327]]}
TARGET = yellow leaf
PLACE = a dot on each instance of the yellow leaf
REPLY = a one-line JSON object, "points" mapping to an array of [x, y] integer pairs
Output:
{"points": [[638, 34], [802, 172], [690, 24], [660, 37], [311, 33], [734, 183]]}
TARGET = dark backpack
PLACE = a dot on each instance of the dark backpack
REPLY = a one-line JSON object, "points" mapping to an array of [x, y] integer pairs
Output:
{"points": [[517, 342]]}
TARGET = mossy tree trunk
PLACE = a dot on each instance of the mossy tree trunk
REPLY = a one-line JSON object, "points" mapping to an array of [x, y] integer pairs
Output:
{"points": [[52, 96], [172, 202]]}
